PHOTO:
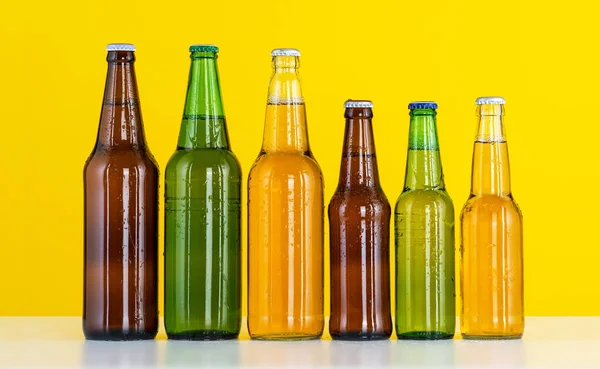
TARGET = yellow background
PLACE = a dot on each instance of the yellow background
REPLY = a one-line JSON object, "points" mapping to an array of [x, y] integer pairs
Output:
{"points": [[541, 56]]}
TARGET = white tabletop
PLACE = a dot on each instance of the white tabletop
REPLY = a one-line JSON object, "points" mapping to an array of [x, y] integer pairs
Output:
{"points": [[565, 342]]}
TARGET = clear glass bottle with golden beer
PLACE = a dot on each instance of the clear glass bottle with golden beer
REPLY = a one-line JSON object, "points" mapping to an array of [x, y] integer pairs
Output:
{"points": [[491, 271], [285, 217]]}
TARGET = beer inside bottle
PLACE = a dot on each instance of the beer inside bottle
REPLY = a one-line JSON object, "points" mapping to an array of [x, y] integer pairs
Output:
{"points": [[424, 231], [202, 215], [491, 273], [121, 215], [359, 221], [285, 217]]}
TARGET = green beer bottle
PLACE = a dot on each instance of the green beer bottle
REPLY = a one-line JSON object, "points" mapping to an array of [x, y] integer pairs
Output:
{"points": [[424, 218], [202, 215]]}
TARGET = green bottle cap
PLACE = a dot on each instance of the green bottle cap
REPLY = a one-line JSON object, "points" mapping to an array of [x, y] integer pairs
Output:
{"points": [[203, 48]]}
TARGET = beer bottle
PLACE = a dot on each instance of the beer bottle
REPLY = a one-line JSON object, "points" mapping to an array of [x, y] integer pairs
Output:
{"points": [[202, 215], [359, 231], [285, 217], [121, 215], [424, 222], [491, 269]]}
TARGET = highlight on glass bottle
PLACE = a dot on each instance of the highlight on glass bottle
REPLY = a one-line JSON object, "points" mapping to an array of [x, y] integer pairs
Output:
{"points": [[120, 214], [285, 217], [424, 232], [202, 215], [491, 269], [359, 221]]}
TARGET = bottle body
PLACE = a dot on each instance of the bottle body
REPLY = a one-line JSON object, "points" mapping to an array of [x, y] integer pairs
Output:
{"points": [[424, 231], [424, 235], [203, 215], [359, 254], [491, 269], [285, 218], [285, 247], [202, 245], [121, 246], [359, 228], [121, 218]]}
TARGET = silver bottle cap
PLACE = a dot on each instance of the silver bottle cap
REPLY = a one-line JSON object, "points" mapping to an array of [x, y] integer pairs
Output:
{"points": [[285, 52], [358, 104], [120, 47], [490, 100]]}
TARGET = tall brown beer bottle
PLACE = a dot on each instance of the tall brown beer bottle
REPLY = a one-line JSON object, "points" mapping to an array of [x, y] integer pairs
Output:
{"points": [[121, 215]]}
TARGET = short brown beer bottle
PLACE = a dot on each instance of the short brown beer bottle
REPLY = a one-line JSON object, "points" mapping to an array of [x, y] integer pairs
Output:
{"points": [[359, 219], [121, 215]]}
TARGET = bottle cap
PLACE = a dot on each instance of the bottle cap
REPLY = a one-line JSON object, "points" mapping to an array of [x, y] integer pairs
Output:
{"points": [[206, 48], [120, 47], [422, 105], [358, 104], [490, 100], [285, 52]]}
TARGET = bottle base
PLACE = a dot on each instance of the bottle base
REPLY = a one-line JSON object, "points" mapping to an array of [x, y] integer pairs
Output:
{"points": [[119, 335], [202, 336], [360, 336], [286, 337], [425, 336], [490, 337]]}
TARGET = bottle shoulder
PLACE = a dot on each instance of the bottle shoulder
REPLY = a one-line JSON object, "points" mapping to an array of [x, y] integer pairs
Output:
{"points": [[141, 159], [281, 163], [361, 195], [344, 202], [491, 203], [203, 158], [424, 197]]}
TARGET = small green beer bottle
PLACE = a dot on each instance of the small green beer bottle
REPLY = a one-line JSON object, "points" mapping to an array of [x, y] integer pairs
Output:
{"points": [[202, 215], [424, 218]]}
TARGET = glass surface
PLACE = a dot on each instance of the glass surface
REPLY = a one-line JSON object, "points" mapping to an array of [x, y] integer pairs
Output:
{"points": [[121, 217], [202, 217], [285, 219], [492, 239], [359, 220], [424, 232]]}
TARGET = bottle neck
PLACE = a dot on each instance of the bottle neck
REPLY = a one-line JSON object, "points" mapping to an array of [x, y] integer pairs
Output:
{"points": [[359, 163], [491, 171], [121, 119], [424, 165], [285, 122], [203, 123]]}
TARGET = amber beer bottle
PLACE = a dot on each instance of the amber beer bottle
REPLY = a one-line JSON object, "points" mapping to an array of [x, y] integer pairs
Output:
{"points": [[121, 215], [285, 217], [359, 220], [491, 268]]}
